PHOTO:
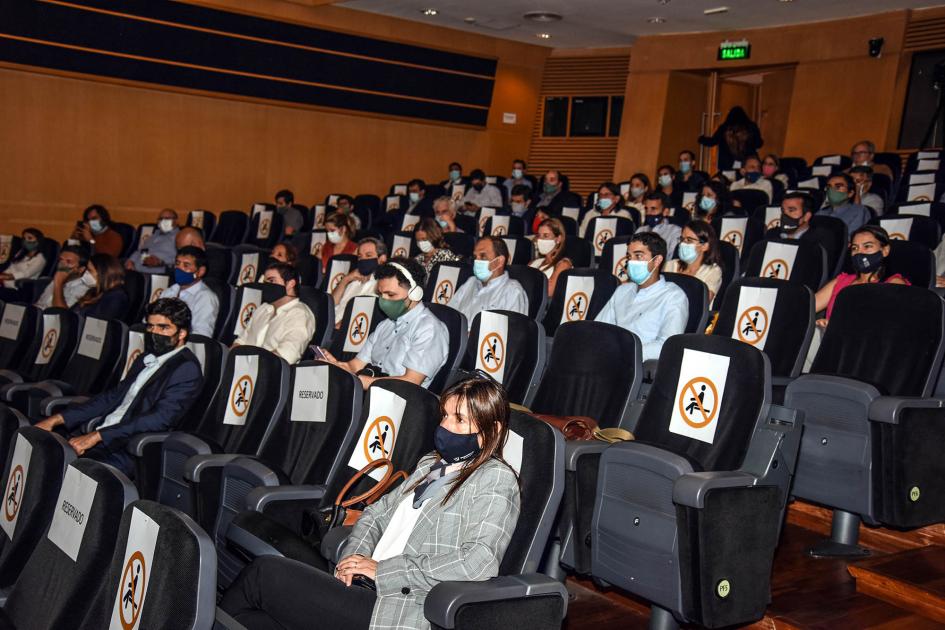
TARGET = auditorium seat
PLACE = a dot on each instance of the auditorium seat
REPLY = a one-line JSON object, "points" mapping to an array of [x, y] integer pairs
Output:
{"points": [[231, 229], [401, 244], [935, 210], [19, 325], [535, 284], [35, 465], [226, 299], [830, 233], [602, 229], [265, 228], [697, 294], [872, 436], [520, 594], [338, 266], [177, 568], [751, 198], [458, 328], [7, 253], [87, 372], [510, 348], [705, 497], [58, 585], [48, 351], [925, 231], [731, 271], [362, 315], [520, 249], [445, 278], [285, 521], [798, 261], [220, 262], [203, 220], [580, 294], [460, 243], [248, 299], [127, 233], [138, 298], [578, 250], [251, 262], [305, 448], [253, 392], [143, 232], [322, 307], [504, 224], [914, 261]]}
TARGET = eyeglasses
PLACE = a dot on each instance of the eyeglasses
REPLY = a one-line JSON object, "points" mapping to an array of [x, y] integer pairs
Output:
{"points": [[688, 240]]}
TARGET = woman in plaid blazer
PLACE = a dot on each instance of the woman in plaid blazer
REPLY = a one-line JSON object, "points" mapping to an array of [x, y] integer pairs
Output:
{"points": [[451, 520]]}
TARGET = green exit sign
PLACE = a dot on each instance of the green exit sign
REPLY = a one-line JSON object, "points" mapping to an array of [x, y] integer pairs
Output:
{"points": [[734, 50]]}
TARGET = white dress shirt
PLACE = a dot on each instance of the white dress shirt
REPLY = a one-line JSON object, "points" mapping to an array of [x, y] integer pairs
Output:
{"points": [[71, 291], [489, 197], [27, 268], [653, 314], [161, 245], [203, 303], [762, 184], [416, 341], [151, 365], [500, 294], [286, 331], [354, 289]]}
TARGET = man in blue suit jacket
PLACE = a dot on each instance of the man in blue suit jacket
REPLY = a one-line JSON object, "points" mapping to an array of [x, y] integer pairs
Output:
{"points": [[159, 389]]}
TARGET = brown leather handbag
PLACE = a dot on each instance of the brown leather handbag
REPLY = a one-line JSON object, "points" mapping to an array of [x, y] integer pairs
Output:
{"points": [[572, 427], [347, 511]]}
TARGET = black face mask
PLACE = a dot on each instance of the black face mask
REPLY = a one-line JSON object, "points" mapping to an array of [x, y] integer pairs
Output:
{"points": [[867, 263], [366, 266], [788, 223], [159, 344], [456, 447], [479, 187], [272, 292]]}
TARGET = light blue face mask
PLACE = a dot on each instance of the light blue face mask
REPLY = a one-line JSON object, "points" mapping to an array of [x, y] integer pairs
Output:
{"points": [[685, 167], [707, 204], [414, 197], [517, 173], [96, 226], [604, 204], [688, 253], [442, 222], [455, 175], [481, 269], [638, 270]]}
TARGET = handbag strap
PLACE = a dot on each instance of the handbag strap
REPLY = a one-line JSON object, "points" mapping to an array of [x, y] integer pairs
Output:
{"points": [[390, 478]]}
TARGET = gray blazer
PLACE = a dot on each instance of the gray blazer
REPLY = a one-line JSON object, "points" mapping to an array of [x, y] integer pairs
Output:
{"points": [[461, 541]]}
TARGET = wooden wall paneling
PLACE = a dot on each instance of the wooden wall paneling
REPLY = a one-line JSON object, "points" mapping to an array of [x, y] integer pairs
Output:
{"points": [[682, 121], [641, 131], [776, 90]]}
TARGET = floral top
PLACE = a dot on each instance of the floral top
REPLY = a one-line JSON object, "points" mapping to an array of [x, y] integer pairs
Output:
{"points": [[439, 255]]}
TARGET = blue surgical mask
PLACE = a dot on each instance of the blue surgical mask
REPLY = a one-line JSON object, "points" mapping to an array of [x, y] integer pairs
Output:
{"points": [[518, 208], [707, 203], [183, 278], [604, 204], [688, 253], [455, 175], [638, 270], [685, 167], [96, 226], [665, 180], [517, 173], [753, 177], [481, 269], [414, 197], [442, 222], [637, 191]]}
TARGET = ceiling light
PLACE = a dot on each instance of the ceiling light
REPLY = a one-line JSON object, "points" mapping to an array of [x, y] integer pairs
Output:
{"points": [[469, 20], [715, 11], [543, 16], [656, 20], [543, 35], [430, 12], [787, 0], [664, 1]]}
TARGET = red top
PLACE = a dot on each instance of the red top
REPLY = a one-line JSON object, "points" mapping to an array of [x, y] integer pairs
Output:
{"points": [[328, 250], [846, 279]]}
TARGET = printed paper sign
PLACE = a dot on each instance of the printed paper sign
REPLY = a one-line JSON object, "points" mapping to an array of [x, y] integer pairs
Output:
{"points": [[625, 190], [772, 217], [492, 344], [755, 310], [146, 232], [737, 164], [359, 327], [620, 261], [459, 190], [136, 572], [832, 159], [337, 269], [512, 452], [511, 243], [379, 435], [200, 351], [604, 230], [484, 215], [392, 203], [571, 213], [15, 489], [6, 247], [810, 183], [159, 282], [577, 298], [778, 260], [73, 508], [928, 155], [196, 219], [689, 200], [319, 218], [733, 231], [333, 200], [50, 340], [821, 171], [409, 223], [490, 179], [252, 298], [135, 349], [310, 398], [923, 192], [242, 388], [265, 224], [928, 165], [93, 337], [446, 280], [921, 178], [898, 228], [699, 395], [257, 208], [400, 189], [500, 225], [731, 175], [918, 209], [316, 242], [401, 246], [12, 319], [249, 269]]}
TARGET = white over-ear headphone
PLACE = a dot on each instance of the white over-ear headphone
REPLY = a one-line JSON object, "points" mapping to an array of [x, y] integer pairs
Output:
{"points": [[415, 293]]}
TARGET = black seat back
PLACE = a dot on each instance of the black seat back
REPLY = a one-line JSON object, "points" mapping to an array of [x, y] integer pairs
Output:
{"points": [[248, 299], [508, 346], [18, 328], [458, 330], [101, 344], [918, 229], [914, 261], [61, 579], [775, 316], [251, 262], [535, 284], [697, 295], [362, 315], [135, 288], [445, 278], [683, 412], [49, 351], [231, 228], [323, 308], [602, 229], [799, 261], [220, 262], [460, 243], [203, 220], [594, 370], [580, 294], [877, 329], [265, 229], [338, 266]]}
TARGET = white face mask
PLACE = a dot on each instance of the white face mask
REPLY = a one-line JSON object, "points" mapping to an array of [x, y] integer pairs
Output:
{"points": [[166, 225], [545, 245], [334, 237], [88, 279], [425, 246]]}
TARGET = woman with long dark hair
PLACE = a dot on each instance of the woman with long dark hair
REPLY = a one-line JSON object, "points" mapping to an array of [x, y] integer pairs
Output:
{"points": [[699, 256], [451, 520], [106, 298], [26, 264]]}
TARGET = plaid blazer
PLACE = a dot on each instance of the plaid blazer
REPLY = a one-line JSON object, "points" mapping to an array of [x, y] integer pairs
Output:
{"points": [[461, 541]]}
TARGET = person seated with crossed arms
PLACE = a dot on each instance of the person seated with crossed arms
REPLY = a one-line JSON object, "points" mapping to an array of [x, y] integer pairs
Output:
{"points": [[411, 344], [161, 386]]}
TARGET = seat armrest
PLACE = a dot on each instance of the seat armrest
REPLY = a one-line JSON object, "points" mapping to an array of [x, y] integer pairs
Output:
{"points": [[223, 621], [11, 376], [51, 404], [889, 408], [690, 489], [649, 369], [51, 387], [832, 386], [781, 381], [446, 598], [248, 468], [196, 465], [334, 541], [259, 498], [138, 443], [574, 450]]}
